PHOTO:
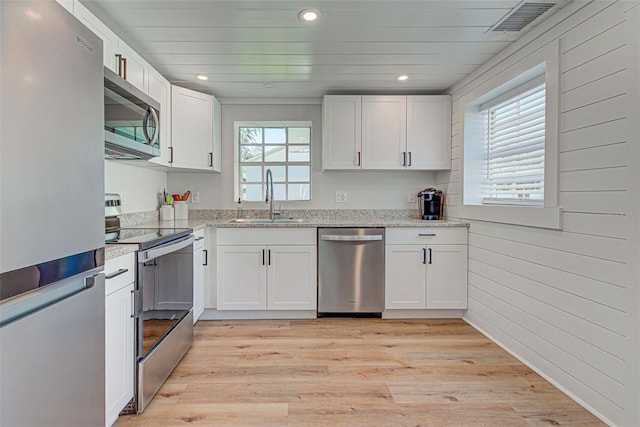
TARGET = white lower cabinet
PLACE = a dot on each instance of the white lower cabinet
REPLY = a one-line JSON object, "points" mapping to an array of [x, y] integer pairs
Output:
{"points": [[119, 335], [267, 276], [426, 273], [200, 261]]}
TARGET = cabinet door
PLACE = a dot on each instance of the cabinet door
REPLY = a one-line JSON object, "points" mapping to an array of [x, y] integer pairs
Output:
{"points": [[242, 278], [342, 132], [67, 4], [191, 129], [198, 282], [405, 277], [160, 90], [447, 276], [384, 132], [136, 69], [109, 38], [291, 278], [119, 356], [429, 132]]}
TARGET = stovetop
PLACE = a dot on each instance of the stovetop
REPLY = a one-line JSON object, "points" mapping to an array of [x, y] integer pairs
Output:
{"points": [[146, 237]]}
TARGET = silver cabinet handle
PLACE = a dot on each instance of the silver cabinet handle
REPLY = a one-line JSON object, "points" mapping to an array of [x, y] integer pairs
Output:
{"points": [[424, 256], [119, 64], [263, 255], [206, 257], [116, 273], [359, 158], [333, 238], [170, 154], [409, 159], [427, 234], [210, 164], [199, 238], [269, 257], [404, 158], [429, 258], [124, 74]]}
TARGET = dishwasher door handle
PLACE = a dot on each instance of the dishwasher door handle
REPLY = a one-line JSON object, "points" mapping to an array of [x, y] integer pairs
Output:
{"points": [[336, 238]]}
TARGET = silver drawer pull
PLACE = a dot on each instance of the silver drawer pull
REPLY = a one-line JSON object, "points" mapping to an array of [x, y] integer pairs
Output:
{"points": [[427, 234], [350, 238], [116, 273], [199, 238]]}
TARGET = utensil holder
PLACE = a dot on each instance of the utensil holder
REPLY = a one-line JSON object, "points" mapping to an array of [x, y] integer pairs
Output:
{"points": [[166, 213], [181, 210]]}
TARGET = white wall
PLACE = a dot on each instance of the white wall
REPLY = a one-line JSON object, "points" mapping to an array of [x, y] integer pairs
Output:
{"points": [[140, 187], [366, 190], [566, 302]]}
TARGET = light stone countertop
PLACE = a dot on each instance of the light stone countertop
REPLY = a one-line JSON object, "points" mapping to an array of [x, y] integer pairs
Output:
{"points": [[116, 250]]}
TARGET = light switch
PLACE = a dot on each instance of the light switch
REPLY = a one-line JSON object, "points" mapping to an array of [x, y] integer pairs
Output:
{"points": [[411, 197], [341, 197]]}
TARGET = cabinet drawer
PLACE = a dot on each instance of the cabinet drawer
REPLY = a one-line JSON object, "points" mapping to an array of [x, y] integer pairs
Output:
{"points": [[266, 236], [426, 236], [199, 236], [113, 266]]}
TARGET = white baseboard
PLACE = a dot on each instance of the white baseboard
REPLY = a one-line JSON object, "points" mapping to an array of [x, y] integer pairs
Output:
{"points": [[422, 314], [212, 314]]}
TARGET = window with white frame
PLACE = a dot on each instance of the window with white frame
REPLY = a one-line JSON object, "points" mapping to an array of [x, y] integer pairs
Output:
{"points": [[510, 125], [514, 146], [283, 147]]}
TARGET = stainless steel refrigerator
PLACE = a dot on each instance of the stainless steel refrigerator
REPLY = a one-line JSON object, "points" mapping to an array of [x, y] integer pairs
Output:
{"points": [[51, 218]]}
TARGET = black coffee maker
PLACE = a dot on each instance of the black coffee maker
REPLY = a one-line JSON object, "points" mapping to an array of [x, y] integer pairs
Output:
{"points": [[430, 203]]}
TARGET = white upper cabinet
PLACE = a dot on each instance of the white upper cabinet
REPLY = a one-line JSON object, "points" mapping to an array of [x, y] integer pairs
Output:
{"points": [[109, 38], [429, 132], [384, 132], [160, 90], [118, 56], [192, 132], [133, 67], [67, 4], [341, 132]]}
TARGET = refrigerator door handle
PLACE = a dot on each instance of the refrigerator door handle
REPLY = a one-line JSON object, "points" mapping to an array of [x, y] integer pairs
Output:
{"points": [[41, 298]]}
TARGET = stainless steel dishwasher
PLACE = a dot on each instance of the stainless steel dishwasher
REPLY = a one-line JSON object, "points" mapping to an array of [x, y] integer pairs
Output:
{"points": [[350, 270]]}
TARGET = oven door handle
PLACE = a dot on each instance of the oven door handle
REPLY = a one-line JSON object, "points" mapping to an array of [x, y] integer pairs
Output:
{"points": [[159, 251]]}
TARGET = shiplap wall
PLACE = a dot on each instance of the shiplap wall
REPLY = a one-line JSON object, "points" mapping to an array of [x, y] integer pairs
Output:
{"points": [[566, 302]]}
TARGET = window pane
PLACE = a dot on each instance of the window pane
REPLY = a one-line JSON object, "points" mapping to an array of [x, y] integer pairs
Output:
{"points": [[275, 154], [251, 192], [299, 192], [277, 172], [250, 173], [275, 136], [299, 173], [279, 192], [299, 153], [299, 135], [251, 153], [250, 135]]}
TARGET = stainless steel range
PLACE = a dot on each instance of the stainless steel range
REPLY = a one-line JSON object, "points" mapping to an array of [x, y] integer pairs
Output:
{"points": [[163, 299]]}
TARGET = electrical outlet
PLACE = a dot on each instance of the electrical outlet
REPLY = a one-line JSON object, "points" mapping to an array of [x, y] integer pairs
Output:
{"points": [[341, 197], [411, 197], [123, 199], [195, 197]]}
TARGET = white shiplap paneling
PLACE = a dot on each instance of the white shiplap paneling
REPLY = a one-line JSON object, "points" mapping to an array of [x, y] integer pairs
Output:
{"points": [[563, 301]]}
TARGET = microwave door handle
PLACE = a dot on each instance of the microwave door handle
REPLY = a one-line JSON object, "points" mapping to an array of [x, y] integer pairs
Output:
{"points": [[150, 140]]}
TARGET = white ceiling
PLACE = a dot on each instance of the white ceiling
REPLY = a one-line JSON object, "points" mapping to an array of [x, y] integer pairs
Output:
{"points": [[357, 46]]}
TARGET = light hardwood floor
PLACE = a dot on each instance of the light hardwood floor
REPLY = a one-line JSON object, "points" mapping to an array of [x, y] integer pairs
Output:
{"points": [[353, 372]]}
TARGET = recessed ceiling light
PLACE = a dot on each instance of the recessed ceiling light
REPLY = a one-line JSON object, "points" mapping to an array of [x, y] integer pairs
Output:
{"points": [[402, 78], [268, 85], [202, 77], [308, 15]]}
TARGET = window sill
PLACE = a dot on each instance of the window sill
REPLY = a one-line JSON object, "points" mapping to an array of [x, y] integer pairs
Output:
{"points": [[516, 215]]}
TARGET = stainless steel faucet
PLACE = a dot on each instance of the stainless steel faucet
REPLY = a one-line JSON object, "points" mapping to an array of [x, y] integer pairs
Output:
{"points": [[269, 196]]}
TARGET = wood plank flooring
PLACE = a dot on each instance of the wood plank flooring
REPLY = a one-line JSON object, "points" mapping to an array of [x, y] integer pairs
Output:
{"points": [[353, 372]]}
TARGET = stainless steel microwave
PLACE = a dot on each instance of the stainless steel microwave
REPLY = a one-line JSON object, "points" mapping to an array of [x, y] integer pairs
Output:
{"points": [[131, 121]]}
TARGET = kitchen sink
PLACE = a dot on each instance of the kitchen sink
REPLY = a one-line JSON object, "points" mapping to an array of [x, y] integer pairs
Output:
{"points": [[267, 221]]}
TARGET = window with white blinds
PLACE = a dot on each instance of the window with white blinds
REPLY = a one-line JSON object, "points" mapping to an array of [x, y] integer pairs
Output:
{"points": [[515, 146]]}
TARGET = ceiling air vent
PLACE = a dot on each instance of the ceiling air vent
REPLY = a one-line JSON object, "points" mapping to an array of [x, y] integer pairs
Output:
{"points": [[522, 15]]}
